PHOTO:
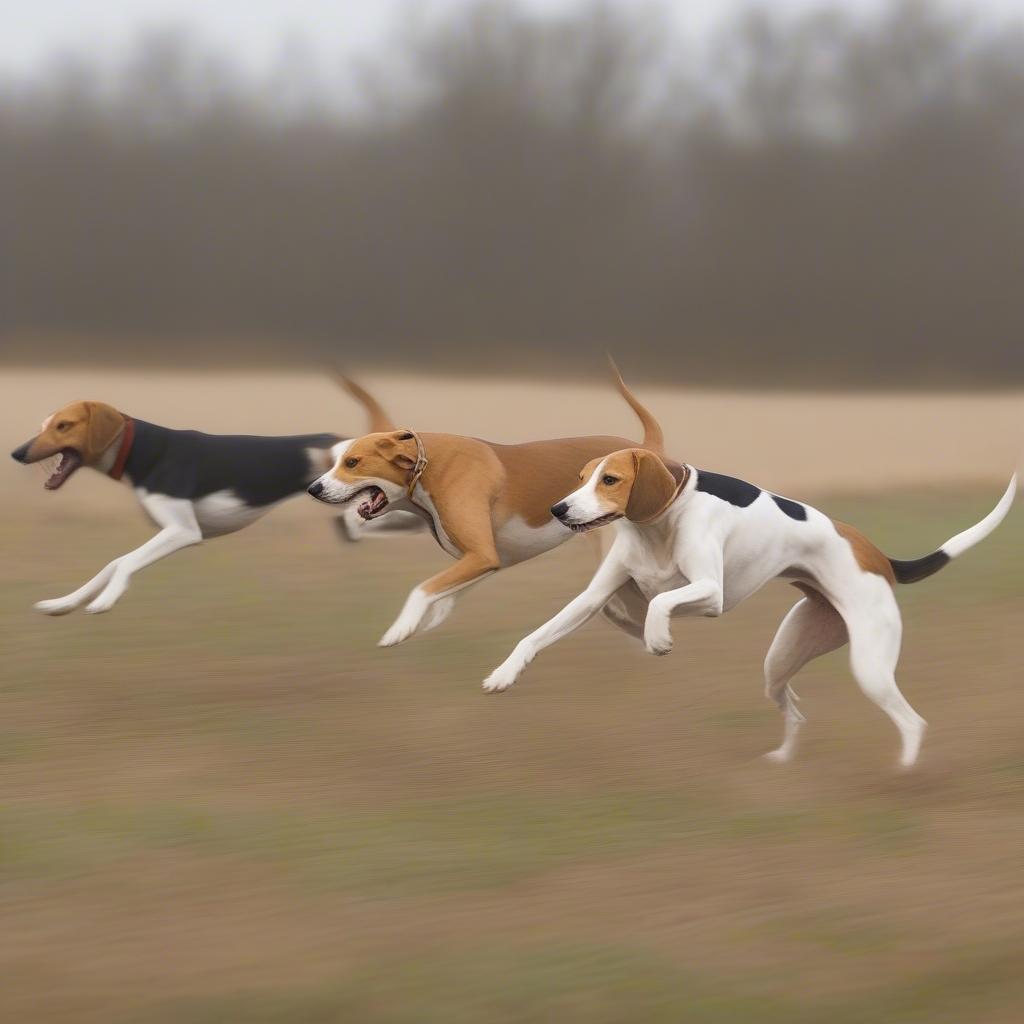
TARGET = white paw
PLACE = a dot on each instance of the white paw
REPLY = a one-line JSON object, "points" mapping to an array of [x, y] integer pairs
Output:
{"points": [[102, 604], [398, 633], [780, 756], [439, 611], [657, 635], [501, 678], [55, 606]]}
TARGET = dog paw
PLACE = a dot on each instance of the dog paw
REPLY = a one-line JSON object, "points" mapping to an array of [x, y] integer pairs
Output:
{"points": [[55, 606], [500, 679], [396, 635], [779, 756], [100, 605], [658, 637]]}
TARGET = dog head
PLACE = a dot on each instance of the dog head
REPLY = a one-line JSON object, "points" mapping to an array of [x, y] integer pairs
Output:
{"points": [[77, 435], [634, 484], [377, 468]]}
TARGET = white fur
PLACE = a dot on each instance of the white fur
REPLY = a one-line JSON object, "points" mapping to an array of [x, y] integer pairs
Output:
{"points": [[224, 512], [516, 541], [178, 529], [703, 556], [962, 541]]}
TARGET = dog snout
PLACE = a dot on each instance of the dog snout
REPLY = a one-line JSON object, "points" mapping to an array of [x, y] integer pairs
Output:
{"points": [[21, 454], [316, 488], [559, 511]]}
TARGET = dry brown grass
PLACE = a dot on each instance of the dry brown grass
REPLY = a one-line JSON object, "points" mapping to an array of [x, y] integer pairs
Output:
{"points": [[222, 802]]}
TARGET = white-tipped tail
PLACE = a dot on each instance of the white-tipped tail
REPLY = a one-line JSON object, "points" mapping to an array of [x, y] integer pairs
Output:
{"points": [[962, 541], [921, 568]]}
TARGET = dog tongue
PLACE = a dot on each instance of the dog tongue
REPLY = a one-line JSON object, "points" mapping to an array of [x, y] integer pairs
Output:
{"points": [[67, 463]]}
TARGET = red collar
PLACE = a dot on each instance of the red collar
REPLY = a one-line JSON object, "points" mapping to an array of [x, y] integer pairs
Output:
{"points": [[127, 440]]}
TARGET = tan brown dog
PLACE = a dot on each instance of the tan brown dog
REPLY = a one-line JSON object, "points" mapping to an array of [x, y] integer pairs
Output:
{"points": [[488, 504], [192, 485]]}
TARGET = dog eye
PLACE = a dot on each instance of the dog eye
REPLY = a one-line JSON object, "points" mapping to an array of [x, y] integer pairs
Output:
{"points": [[352, 462], [405, 437], [63, 425], [608, 481]]}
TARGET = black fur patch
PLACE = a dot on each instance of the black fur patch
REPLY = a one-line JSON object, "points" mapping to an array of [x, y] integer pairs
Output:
{"points": [[188, 464], [793, 509], [728, 488], [918, 568]]}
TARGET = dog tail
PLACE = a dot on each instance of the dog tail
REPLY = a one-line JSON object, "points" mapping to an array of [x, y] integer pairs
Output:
{"points": [[921, 568], [379, 420], [653, 436]]}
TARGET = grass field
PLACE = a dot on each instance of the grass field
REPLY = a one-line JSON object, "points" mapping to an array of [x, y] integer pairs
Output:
{"points": [[222, 803]]}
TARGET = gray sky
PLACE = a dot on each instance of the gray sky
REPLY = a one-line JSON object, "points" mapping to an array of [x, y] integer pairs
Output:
{"points": [[254, 30]]}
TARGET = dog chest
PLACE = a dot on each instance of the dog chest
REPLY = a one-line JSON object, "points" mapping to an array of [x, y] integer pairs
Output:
{"points": [[224, 512], [516, 541]]}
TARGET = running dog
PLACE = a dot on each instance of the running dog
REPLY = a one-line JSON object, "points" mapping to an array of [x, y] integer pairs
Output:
{"points": [[693, 543], [488, 504], [192, 485]]}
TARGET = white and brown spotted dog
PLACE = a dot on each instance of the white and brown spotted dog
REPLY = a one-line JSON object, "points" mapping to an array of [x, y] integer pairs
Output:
{"points": [[488, 504], [192, 485], [689, 542]]}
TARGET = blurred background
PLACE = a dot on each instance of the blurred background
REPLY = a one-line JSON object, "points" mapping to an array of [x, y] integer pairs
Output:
{"points": [[788, 193], [799, 225]]}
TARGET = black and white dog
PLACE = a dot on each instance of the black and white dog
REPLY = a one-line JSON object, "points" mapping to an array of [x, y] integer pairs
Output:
{"points": [[192, 485]]}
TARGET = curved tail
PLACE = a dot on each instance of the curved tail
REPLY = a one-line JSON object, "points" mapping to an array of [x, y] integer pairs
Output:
{"points": [[920, 568], [653, 436], [379, 420]]}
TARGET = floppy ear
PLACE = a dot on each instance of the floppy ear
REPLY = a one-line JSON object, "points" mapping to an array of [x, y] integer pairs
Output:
{"points": [[653, 486], [396, 449], [104, 424]]}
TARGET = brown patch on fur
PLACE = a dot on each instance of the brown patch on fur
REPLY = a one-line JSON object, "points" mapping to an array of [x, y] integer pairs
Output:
{"points": [[869, 557], [88, 428], [539, 474]]}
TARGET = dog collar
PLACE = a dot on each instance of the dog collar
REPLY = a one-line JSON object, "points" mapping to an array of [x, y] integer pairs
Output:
{"points": [[421, 464], [125, 449], [675, 494]]}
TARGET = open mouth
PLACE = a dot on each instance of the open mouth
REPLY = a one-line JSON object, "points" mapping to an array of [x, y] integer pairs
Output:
{"points": [[376, 501], [60, 467], [594, 523]]}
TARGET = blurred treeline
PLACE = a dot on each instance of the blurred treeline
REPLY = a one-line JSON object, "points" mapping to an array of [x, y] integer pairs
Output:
{"points": [[827, 198]]}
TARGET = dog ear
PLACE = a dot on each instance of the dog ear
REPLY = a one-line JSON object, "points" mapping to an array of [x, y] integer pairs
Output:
{"points": [[104, 425], [399, 448], [653, 486]]}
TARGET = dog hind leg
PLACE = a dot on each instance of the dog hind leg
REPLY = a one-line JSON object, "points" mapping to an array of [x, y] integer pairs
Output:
{"points": [[811, 628], [875, 634]]}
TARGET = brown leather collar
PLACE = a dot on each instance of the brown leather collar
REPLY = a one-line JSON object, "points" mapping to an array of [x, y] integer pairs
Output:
{"points": [[421, 464], [127, 440]]}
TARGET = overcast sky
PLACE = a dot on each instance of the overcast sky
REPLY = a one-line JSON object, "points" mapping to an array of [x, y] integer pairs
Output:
{"points": [[254, 30]]}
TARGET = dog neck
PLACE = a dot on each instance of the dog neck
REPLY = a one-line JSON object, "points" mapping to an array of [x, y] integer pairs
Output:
{"points": [[113, 460]]}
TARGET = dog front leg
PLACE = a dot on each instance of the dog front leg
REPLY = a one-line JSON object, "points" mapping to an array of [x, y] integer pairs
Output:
{"points": [[68, 603], [702, 597], [180, 530], [431, 602], [578, 611], [165, 543]]}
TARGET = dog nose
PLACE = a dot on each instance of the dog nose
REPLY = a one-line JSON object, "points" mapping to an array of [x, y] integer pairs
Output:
{"points": [[316, 488], [559, 510], [20, 454]]}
